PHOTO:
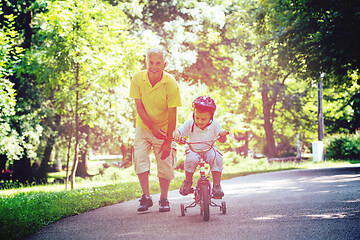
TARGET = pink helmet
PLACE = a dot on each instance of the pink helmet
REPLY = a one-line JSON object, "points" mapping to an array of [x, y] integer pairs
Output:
{"points": [[205, 103]]}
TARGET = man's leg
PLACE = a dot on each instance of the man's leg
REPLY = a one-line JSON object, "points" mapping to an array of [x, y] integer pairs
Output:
{"points": [[144, 183], [145, 201], [164, 187], [165, 174], [164, 205], [142, 166]]}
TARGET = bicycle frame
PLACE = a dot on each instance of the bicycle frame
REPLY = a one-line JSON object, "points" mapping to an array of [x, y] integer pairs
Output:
{"points": [[202, 180]]}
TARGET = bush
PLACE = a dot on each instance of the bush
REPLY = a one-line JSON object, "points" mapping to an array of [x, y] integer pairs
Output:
{"points": [[343, 146]]}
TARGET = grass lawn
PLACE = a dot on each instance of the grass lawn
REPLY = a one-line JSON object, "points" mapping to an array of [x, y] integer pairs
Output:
{"points": [[25, 210]]}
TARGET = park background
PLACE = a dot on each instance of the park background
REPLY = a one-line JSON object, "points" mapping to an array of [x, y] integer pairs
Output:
{"points": [[66, 67]]}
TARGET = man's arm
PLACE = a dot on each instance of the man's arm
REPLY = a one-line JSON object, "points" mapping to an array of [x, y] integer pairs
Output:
{"points": [[171, 123], [158, 132], [165, 148]]}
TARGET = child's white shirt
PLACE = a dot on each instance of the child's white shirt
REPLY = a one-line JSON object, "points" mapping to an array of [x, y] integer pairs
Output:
{"points": [[196, 134]]}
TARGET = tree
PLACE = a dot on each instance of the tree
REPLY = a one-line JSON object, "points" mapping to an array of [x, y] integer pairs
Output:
{"points": [[341, 108], [73, 81], [9, 139], [85, 44], [17, 16], [15, 138], [321, 36], [239, 59]]}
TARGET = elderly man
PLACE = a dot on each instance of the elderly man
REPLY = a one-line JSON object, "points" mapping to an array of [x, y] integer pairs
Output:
{"points": [[156, 96]]}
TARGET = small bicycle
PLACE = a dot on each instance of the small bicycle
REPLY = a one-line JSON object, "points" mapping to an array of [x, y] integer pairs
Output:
{"points": [[202, 191]]}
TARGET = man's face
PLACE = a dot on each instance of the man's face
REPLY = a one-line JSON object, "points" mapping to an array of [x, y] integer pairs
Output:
{"points": [[156, 65], [201, 118]]}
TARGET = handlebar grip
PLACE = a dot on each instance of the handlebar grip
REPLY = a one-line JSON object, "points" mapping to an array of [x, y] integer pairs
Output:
{"points": [[227, 133], [182, 140]]}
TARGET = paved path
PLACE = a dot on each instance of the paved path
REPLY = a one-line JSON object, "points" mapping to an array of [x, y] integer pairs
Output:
{"points": [[297, 204]]}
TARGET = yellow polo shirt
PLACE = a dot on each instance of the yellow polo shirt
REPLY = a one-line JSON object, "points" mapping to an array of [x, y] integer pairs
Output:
{"points": [[158, 99]]}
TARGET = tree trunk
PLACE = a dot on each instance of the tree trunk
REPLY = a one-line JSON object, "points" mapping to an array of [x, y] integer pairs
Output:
{"points": [[5, 174], [68, 158], [81, 170], [58, 158], [355, 104], [41, 173], [28, 31], [76, 160], [246, 145], [82, 167], [22, 170], [3, 160], [268, 126]]}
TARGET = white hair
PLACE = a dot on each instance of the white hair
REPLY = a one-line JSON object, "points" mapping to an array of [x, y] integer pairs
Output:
{"points": [[155, 50]]}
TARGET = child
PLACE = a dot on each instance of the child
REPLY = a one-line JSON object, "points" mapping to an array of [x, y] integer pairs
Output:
{"points": [[203, 127]]}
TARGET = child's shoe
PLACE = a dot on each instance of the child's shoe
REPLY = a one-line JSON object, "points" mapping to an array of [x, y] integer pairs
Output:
{"points": [[217, 192], [185, 188]]}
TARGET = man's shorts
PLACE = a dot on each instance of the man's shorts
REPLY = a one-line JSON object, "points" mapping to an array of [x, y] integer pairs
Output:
{"points": [[144, 141], [212, 157]]}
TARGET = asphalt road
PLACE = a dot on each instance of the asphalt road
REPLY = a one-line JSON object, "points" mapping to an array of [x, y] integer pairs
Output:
{"points": [[297, 204]]}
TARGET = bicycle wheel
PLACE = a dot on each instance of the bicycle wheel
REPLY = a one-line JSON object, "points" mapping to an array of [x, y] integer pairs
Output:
{"points": [[205, 201]]}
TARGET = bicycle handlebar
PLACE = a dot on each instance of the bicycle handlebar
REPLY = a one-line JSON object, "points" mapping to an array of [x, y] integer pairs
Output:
{"points": [[184, 141]]}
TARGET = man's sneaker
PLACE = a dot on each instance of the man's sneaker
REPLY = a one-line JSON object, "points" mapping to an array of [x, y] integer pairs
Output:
{"points": [[185, 188], [217, 192], [145, 203], [164, 205]]}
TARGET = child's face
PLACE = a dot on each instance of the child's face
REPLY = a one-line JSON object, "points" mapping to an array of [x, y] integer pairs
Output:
{"points": [[201, 118]]}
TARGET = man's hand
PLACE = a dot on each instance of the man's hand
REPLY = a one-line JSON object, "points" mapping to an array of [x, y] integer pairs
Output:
{"points": [[158, 133], [156, 130], [165, 149]]}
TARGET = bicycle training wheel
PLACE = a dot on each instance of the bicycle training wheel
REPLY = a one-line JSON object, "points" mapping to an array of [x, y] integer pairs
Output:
{"points": [[223, 207], [182, 207], [205, 201]]}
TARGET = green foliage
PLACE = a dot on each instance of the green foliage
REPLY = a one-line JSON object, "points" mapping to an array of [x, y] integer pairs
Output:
{"points": [[234, 51], [10, 141], [43, 208], [83, 47], [90, 33], [341, 107], [314, 33], [343, 146]]}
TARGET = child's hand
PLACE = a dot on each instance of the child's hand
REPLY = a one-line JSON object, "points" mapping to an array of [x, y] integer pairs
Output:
{"points": [[177, 136], [222, 135]]}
